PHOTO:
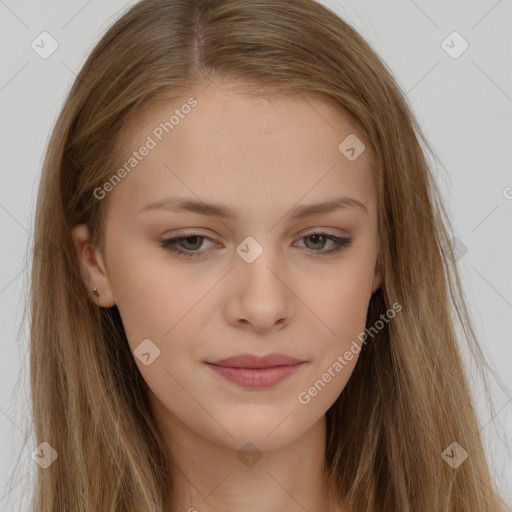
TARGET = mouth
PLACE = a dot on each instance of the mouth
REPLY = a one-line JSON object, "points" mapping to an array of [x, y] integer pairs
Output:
{"points": [[256, 372]]}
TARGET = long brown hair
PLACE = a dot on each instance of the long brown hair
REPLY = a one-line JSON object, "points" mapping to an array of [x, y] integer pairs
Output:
{"points": [[408, 397]]}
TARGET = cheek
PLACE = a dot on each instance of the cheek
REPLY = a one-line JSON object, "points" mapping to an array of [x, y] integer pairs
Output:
{"points": [[340, 309], [149, 292], [158, 306], [339, 303], [158, 302]]}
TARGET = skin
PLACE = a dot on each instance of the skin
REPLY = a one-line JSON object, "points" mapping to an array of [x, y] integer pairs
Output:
{"points": [[263, 157]]}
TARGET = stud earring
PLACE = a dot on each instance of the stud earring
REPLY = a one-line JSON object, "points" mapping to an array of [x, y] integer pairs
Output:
{"points": [[95, 292]]}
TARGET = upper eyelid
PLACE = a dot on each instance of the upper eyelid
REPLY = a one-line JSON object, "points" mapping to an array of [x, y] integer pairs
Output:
{"points": [[311, 231]]}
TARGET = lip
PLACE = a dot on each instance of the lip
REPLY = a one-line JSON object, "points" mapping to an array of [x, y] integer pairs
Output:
{"points": [[256, 372], [254, 361]]}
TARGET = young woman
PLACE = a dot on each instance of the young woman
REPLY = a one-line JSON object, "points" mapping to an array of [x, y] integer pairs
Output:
{"points": [[243, 280]]}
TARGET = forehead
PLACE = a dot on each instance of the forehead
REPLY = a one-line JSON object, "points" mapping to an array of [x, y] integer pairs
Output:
{"points": [[226, 144]]}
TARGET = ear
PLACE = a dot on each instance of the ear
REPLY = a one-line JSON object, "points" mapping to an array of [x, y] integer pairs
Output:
{"points": [[92, 266], [377, 277]]}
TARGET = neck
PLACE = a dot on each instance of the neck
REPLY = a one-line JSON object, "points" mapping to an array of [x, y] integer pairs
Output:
{"points": [[209, 476]]}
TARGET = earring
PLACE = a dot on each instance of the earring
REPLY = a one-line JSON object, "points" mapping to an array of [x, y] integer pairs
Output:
{"points": [[95, 292]]}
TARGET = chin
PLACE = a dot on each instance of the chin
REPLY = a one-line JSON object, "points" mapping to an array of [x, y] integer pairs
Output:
{"points": [[266, 431]]}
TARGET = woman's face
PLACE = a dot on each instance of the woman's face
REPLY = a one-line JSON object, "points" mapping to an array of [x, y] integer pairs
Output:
{"points": [[259, 282]]}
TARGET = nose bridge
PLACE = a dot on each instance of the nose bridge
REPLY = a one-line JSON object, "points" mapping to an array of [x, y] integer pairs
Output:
{"points": [[263, 296], [259, 262]]}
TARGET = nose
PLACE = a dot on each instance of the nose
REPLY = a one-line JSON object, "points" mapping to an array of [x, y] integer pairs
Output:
{"points": [[262, 297]]}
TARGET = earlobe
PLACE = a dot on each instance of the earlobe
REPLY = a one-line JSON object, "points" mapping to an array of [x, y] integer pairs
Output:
{"points": [[92, 267]]}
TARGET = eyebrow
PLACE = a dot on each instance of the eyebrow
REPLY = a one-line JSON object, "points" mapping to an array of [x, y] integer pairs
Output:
{"points": [[225, 212]]}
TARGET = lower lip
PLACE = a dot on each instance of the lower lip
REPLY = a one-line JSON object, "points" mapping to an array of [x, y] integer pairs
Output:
{"points": [[255, 378]]}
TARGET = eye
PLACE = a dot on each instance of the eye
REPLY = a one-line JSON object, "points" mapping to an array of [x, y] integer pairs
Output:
{"points": [[193, 240], [320, 239], [190, 245]]}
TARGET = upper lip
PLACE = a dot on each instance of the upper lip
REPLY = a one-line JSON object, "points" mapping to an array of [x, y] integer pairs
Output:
{"points": [[254, 361]]}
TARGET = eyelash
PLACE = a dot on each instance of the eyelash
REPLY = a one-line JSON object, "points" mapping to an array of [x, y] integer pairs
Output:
{"points": [[342, 243]]}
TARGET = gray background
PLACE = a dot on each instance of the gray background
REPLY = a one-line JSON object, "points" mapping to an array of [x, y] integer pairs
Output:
{"points": [[464, 107]]}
